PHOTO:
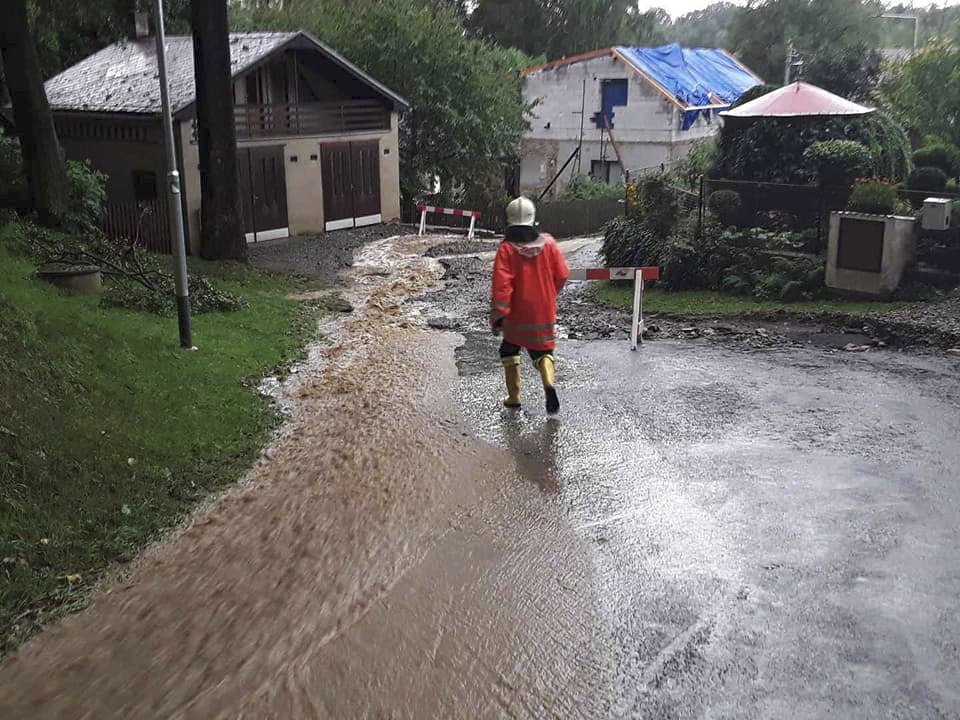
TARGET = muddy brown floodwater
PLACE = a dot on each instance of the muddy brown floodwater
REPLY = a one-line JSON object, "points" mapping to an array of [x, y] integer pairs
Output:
{"points": [[375, 564]]}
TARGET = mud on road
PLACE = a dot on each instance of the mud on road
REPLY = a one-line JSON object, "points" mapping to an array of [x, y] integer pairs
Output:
{"points": [[371, 566], [705, 532]]}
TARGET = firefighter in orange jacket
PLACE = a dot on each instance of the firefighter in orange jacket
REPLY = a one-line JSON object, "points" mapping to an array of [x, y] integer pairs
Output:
{"points": [[528, 273]]}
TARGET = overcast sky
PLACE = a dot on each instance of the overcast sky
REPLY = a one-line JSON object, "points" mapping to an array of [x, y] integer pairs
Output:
{"points": [[680, 7]]}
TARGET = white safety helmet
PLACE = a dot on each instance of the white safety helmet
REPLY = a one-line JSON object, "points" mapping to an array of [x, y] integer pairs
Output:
{"points": [[521, 211]]}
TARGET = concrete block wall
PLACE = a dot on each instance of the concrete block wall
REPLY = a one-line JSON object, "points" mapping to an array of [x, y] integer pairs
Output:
{"points": [[646, 129]]}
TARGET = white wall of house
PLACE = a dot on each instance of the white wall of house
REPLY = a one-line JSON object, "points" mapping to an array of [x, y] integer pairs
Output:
{"points": [[647, 129], [304, 179]]}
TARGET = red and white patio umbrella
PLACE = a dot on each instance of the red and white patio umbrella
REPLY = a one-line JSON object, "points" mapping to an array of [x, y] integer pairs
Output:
{"points": [[798, 99]]}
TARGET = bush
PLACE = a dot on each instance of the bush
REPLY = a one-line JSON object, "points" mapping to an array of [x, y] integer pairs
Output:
{"points": [[657, 203], [753, 93], [873, 196], [837, 162], [772, 150], [697, 163], [712, 257], [86, 188], [639, 238], [583, 187], [86, 192], [944, 157], [889, 145], [628, 242], [725, 205], [927, 179], [735, 261]]}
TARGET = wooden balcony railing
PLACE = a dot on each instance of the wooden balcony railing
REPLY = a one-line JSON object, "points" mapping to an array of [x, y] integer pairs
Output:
{"points": [[256, 121]]}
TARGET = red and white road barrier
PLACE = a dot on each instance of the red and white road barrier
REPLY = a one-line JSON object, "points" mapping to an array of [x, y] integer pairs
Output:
{"points": [[474, 215], [638, 275]]}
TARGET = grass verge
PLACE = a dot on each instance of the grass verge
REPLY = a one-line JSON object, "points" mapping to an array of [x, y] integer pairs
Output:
{"points": [[110, 434], [706, 303]]}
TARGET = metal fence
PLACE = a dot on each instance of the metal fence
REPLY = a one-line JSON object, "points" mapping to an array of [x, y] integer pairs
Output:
{"points": [[802, 206], [569, 218], [144, 223]]}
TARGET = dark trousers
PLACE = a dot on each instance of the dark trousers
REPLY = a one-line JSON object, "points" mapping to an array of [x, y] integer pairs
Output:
{"points": [[510, 354]]}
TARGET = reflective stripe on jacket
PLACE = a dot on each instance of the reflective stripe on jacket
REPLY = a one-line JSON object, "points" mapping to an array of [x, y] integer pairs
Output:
{"points": [[526, 280]]}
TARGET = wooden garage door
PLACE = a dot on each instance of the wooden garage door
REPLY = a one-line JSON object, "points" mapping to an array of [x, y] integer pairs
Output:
{"points": [[351, 184], [263, 192]]}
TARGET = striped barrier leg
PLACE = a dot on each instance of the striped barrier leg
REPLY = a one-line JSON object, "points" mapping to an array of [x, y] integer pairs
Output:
{"points": [[636, 334], [639, 276], [423, 220]]}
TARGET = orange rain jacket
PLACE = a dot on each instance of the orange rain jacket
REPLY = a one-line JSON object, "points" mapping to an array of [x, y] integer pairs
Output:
{"points": [[526, 280]]}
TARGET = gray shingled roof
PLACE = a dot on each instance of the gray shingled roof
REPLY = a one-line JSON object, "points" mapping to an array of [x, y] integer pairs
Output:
{"points": [[123, 77]]}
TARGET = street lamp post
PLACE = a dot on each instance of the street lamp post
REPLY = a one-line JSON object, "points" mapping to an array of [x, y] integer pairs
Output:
{"points": [[173, 187]]}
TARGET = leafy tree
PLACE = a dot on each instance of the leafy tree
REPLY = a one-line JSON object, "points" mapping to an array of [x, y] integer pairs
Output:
{"points": [[924, 91], [645, 27], [710, 27], [68, 31], [827, 33], [772, 150], [466, 117], [852, 71], [558, 28], [42, 159], [521, 24], [933, 23], [753, 93], [221, 226]]}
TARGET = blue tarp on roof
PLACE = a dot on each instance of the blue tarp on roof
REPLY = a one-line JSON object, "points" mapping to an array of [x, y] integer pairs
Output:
{"points": [[694, 76]]}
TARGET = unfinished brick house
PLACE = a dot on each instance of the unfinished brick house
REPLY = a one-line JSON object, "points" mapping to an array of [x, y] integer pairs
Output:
{"points": [[625, 109]]}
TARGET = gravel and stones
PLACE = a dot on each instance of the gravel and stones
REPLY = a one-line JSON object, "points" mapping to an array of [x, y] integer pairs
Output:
{"points": [[319, 257], [935, 323], [462, 247]]}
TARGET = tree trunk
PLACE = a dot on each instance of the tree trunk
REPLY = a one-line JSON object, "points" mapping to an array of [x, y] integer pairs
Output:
{"points": [[221, 232], [42, 159]]}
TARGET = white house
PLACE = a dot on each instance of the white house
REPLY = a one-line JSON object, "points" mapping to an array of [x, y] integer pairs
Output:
{"points": [[653, 103]]}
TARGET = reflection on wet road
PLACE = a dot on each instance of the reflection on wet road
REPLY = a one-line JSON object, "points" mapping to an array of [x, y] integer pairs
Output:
{"points": [[703, 532], [772, 535]]}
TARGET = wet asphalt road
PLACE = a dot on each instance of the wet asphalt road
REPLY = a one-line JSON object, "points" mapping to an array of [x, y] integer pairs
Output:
{"points": [[703, 532], [772, 535]]}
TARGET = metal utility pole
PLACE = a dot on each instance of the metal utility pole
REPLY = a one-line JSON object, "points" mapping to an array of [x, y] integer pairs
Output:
{"points": [[173, 186]]}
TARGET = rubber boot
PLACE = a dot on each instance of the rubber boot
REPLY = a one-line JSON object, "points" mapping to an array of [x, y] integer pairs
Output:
{"points": [[546, 368], [511, 372]]}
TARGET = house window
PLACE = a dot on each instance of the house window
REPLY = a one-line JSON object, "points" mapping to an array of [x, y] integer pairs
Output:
{"points": [[606, 171], [144, 185], [613, 93]]}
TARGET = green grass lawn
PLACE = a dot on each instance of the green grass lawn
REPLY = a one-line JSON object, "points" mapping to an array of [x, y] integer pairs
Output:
{"points": [[705, 303], [109, 433]]}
